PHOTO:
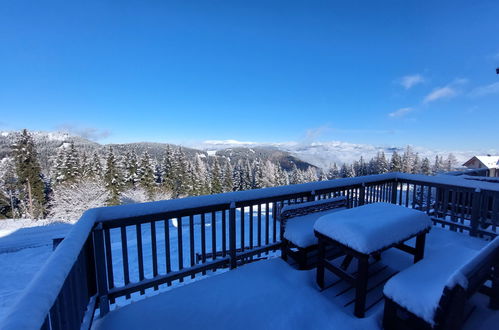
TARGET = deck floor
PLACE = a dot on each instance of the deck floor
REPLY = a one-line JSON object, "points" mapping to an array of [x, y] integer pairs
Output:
{"points": [[272, 295]]}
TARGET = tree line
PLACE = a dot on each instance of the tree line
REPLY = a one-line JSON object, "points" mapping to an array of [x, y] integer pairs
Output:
{"points": [[78, 180]]}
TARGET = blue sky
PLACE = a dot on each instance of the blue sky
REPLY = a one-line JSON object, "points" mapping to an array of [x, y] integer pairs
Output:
{"points": [[380, 72]]}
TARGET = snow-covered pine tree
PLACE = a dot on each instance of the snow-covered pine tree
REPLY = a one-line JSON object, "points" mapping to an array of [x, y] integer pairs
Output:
{"points": [[131, 175], [96, 167], [407, 160], [227, 183], [296, 176], [438, 165], [145, 174], [167, 170], [72, 165], [425, 166], [215, 176], [200, 178], [29, 177], [450, 162], [85, 166], [281, 176], [396, 163], [113, 178], [59, 170], [416, 165], [381, 163], [181, 180], [333, 172]]}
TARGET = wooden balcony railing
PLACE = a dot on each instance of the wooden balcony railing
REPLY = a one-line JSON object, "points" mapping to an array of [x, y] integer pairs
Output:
{"points": [[116, 252]]}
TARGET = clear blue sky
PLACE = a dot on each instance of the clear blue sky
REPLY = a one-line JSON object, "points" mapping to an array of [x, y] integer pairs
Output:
{"points": [[382, 72]]}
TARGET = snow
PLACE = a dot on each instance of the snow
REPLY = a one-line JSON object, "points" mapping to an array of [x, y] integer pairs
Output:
{"points": [[300, 230], [25, 245], [420, 287], [31, 308], [365, 228], [271, 294], [263, 295]]}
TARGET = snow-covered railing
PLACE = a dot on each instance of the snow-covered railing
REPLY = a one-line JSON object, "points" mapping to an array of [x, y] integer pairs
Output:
{"points": [[122, 251]]}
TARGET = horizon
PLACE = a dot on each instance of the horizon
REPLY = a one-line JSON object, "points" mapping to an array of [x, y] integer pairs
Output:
{"points": [[390, 74]]}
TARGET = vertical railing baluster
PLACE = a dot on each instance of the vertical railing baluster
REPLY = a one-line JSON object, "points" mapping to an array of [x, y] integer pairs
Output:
{"points": [[203, 240], [274, 222], [232, 236], [180, 246], [267, 223], [242, 227], [140, 254], [224, 234], [154, 247], [168, 259], [100, 263], [124, 253], [259, 227], [251, 226], [191, 243], [109, 261], [213, 236]]}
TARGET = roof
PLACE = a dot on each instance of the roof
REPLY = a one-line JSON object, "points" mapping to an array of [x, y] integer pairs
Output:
{"points": [[488, 161]]}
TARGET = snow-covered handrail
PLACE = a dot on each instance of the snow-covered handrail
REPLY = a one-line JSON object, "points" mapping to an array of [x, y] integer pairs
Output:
{"points": [[33, 307]]}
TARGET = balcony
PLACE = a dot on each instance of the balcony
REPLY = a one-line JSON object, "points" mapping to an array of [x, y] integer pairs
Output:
{"points": [[213, 261]]}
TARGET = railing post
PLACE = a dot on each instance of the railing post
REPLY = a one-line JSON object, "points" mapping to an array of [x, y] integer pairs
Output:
{"points": [[362, 194], [394, 191], [311, 197], [232, 235], [100, 263], [475, 212]]}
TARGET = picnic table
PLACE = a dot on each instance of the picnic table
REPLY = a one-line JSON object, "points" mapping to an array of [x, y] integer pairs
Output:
{"points": [[364, 232]]}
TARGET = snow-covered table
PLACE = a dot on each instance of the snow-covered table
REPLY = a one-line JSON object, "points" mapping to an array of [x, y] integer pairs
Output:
{"points": [[366, 231]]}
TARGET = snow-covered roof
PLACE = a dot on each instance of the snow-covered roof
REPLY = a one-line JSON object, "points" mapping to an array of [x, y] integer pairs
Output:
{"points": [[488, 161]]}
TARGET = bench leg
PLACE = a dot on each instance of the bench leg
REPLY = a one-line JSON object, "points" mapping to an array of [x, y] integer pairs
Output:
{"points": [[389, 315], [494, 297], [420, 243], [284, 250], [361, 286], [320, 263]]}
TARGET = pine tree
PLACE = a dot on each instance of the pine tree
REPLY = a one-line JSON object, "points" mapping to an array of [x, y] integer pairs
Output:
{"points": [[425, 166], [438, 166], [450, 162], [131, 174], [381, 163], [112, 178], [85, 167], [281, 177], [296, 175], [96, 167], [396, 163], [168, 178], [72, 165], [416, 165], [215, 175], [29, 178], [407, 160], [333, 172], [145, 174], [227, 184]]}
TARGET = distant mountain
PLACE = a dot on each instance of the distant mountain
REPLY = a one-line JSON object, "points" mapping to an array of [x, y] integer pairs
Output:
{"points": [[48, 144], [323, 154]]}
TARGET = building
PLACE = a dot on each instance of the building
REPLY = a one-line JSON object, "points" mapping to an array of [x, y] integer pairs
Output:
{"points": [[486, 162]]}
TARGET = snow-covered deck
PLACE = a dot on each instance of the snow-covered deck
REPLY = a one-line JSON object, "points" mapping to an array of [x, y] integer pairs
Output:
{"points": [[272, 294]]}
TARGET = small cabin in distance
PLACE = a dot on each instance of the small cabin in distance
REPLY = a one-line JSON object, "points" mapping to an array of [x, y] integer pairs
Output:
{"points": [[489, 162]]}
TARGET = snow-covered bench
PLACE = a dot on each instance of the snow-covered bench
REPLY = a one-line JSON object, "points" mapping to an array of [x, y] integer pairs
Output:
{"points": [[432, 293], [297, 225]]}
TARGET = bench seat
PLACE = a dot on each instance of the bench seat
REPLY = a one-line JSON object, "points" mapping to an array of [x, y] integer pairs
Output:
{"points": [[442, 281], [300, 230], [297, 228]]}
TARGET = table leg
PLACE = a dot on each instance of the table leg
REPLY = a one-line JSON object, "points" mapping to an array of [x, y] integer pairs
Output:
{"points": [[320, 263], [361, 285], [420, 243]]}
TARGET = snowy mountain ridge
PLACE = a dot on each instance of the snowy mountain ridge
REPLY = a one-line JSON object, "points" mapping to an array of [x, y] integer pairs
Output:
{"points": [[323, 154]]}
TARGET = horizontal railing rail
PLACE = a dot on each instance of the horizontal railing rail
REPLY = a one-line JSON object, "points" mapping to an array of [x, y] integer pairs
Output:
{"points": [[117, 252]]}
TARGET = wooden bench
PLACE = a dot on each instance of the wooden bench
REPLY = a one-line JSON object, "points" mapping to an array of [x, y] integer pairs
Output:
{"points": [[432, 293], [297, 228]]}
